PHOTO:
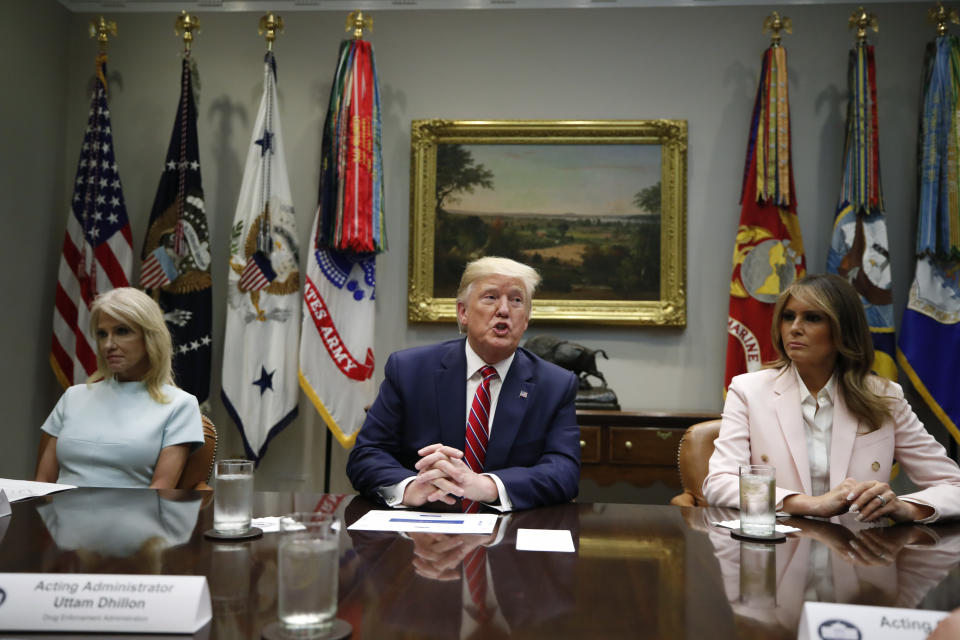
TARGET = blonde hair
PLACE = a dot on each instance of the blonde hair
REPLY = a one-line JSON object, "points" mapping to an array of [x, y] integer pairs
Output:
{"points": [[137, 309], [840, 303], [496, 266]]}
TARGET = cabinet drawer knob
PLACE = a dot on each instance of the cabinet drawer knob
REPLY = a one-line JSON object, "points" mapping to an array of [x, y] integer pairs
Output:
{"points": [[664, 435], [628, 445], [582, 444]]}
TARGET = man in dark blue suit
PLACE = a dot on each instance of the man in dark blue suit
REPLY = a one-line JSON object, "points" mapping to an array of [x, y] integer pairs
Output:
{"points": [[410, 450]]}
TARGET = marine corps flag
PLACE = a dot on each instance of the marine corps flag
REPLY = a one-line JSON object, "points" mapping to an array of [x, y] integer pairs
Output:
{"points": [[859, 250], [768, 254], [263, 292], [929, 348], [97, 246], [336, 348], [176, 251]]}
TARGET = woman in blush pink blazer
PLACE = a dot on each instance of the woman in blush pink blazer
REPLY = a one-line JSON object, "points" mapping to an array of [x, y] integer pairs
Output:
{"points": [[829, 425]]}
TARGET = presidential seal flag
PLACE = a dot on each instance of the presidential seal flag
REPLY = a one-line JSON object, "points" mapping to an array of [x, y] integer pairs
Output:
{"points": [[97, 246], [176, 251], [768, 255], [929, 347], [260, 388], [336, 347], [859, 250]]}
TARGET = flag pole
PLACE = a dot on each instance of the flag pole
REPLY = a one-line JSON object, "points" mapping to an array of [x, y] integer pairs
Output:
{"points": [[270, 25], [357, 21], [184, 26], [940, 16], [862, 21], [775, 23], [102, 29]]}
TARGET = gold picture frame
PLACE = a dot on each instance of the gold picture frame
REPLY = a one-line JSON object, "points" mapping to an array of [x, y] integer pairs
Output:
{"points": [[561, 242]]}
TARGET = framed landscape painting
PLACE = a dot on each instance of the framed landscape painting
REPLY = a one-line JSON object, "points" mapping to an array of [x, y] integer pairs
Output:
{"points": [[597, 207]]}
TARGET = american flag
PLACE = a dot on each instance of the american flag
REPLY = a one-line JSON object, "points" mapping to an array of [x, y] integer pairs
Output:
{"points": [[97, 246], [257, 273], [158, 269]]}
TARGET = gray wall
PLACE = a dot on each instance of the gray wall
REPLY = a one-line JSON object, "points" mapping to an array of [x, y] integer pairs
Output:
{"points": [[698, 64], [32, 112]]}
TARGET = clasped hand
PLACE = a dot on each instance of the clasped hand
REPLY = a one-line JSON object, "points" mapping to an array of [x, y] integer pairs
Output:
{"points": [[870, 500], [443, 476]]}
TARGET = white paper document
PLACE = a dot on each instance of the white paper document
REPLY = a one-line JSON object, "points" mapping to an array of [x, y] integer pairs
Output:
{"points": [[23, 489], [735, 524], [267, 524], [544, 540], [5, 509], [398, 520]]}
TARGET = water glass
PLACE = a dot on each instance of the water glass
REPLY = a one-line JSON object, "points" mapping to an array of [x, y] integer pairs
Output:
{"points": [[757, 499], [308, 572], [233, 498]]}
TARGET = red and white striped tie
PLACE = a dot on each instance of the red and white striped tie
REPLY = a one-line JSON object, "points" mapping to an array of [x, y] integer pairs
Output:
{"points": [[478, 429]]}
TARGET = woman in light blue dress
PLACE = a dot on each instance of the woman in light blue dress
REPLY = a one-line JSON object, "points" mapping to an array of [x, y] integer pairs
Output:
{"points": [[128, 425]]}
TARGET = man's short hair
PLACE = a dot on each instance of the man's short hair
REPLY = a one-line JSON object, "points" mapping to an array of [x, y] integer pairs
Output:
{"points": [[496, 266]]}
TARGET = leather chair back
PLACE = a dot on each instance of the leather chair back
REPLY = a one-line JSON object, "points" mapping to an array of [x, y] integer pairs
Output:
{"points": [[693, 460], [199, 467]]}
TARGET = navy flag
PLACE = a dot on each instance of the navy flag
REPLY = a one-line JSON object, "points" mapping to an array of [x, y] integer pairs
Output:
{"points": [[929, 345], [176, 251]]}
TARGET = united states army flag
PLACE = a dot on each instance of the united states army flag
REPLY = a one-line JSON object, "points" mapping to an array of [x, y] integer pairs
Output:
{"points": [[336, 349], [263, 302]]}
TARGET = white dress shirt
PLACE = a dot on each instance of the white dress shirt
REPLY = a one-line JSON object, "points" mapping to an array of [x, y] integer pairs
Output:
{"points": [[818, 423], [393, 495]]}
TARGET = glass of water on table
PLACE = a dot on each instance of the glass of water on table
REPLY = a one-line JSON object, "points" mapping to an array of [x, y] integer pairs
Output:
{"points": [[233, 501], [757, 500], [308, 574]]}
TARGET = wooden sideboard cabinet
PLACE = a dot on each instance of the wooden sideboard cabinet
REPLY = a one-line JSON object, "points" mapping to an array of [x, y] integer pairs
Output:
{"points": [[638, 447]]}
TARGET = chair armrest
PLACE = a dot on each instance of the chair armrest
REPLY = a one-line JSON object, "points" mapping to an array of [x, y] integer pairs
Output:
{"points": [[685, 499]]}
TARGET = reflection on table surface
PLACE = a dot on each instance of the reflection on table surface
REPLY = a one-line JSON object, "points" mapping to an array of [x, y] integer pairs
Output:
{"points": [[831, 560], [638, 571]]}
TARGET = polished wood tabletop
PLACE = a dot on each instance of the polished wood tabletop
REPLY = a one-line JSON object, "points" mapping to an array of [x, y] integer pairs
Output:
{"points": [[638, 571]]}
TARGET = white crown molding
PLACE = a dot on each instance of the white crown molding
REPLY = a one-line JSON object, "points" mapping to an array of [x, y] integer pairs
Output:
{"points": [[122, 6]]}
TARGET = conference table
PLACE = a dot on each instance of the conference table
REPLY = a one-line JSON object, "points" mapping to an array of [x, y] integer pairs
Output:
{"points": [[638, 571]]}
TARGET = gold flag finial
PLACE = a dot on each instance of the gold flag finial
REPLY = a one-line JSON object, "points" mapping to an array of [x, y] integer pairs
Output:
{"points": [[268, 27], [185, 25], [861, 21], [775, 24], [102, 29], [940, 16], [357, 21]]}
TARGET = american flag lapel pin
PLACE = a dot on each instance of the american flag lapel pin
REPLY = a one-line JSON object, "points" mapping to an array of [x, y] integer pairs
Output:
{"points": [[523, 394]]}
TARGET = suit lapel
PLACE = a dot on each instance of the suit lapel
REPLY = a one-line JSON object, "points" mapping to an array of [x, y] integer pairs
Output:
{"points": [[450, 381], [787, 403], [842, 436], [516, 394]]}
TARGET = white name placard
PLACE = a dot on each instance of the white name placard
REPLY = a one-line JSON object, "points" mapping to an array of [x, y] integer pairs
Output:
{"points": [[830, 621], [103, 602]]}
